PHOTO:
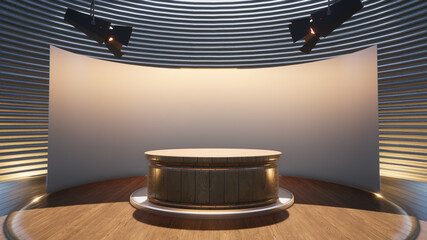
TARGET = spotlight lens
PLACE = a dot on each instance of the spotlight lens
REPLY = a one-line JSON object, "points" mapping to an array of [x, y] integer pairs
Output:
{"points": [[311, 31], [110, 39]]}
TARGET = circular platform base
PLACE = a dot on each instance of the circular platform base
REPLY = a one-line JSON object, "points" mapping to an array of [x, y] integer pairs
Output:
{"points": [[101, 210], [139, 200]]}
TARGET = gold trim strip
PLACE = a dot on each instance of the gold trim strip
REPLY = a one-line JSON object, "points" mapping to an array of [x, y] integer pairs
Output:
{"points": [[403, 175], [26, 98], [23, 136], [405, 168], [17, 176], [403, 136], [21, 162], [401, 78], [23, 111], [403, 91], [23, 117], [212, 206], [9, 157], [404, 149], [421, 97], [24, 130], [26, 85], [22, 124], [402, 85], [404, 110], [4, 144], [403, 162], [409, 143], [24, 104], [403, 124], [402, 104], [217, 168], [404, 117], [22, 149], [403, 155], [22, 168], [419, 130], [26, 92]]}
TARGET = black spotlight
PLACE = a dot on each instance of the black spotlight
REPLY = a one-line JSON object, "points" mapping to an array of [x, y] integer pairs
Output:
{"points": [[100, 30], [322, 22], [116, 37]]}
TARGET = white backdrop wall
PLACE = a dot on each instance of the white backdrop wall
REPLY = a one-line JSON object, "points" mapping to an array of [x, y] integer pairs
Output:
{"points": [[103, 116]]}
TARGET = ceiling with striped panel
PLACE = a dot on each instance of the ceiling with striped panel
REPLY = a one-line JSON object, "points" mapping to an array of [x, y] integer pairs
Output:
{"points": [[213, 34]]}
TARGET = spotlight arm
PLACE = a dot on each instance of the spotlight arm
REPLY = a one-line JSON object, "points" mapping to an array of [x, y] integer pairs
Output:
{"points": [[92, 11]]}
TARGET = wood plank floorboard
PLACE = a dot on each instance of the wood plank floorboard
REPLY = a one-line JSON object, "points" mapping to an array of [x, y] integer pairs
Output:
{"points": [[102, 211]]}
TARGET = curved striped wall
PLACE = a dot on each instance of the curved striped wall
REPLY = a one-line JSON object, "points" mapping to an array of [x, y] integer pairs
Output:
{"points": [[206, 34]]}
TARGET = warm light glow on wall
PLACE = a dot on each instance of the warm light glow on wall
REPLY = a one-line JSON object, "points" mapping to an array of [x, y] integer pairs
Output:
{"points": [[323, 116]]}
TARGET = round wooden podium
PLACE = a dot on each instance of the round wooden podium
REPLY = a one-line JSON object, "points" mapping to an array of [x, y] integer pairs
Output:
{"points": [[213, 178]]}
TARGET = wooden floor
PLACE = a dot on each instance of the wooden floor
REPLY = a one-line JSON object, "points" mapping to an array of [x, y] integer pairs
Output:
{"points": [[15, 194], [102, 210], [410, 194]]}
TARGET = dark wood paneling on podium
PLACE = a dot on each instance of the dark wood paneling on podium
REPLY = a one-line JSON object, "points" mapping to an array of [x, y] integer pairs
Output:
{"points": [[213, 177]]}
